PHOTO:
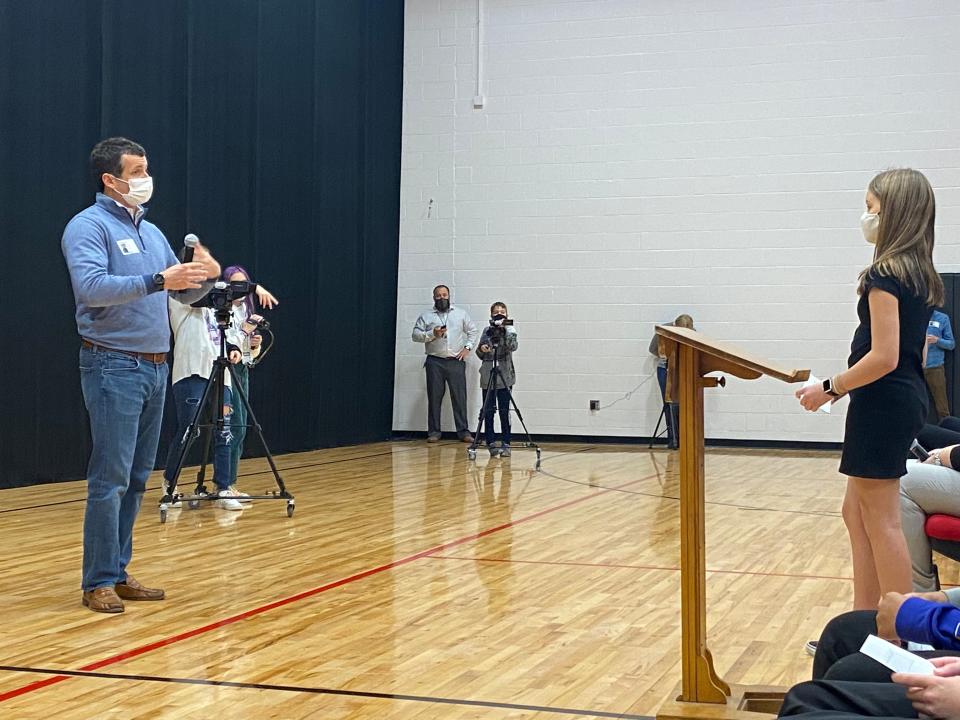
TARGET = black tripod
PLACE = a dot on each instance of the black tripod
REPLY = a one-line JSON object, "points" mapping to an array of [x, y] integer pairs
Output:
{"points": [[496, 377], [213, 392]]}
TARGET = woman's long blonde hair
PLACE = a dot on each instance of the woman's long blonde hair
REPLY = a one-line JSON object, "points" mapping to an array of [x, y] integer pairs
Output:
{"points": [[905, 236]]}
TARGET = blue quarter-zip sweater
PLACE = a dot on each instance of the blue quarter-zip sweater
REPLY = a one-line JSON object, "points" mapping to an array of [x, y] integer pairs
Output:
{"points": [[939, 325], [112, 261]]}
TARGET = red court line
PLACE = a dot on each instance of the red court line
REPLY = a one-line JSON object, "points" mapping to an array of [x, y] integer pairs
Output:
{"points": [[113, 659], [637, 567]]}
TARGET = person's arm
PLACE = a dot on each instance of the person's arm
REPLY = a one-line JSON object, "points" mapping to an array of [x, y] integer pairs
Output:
{"points": [[203, 262], [471, 331], [482, 353], [924, 621], [946, 341], [884, 353], [655, 346], [881, 359], [420, 332]]}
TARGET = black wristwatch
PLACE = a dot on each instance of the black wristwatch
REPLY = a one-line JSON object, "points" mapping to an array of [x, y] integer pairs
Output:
{"points": [[828, 388], [158, 280]]}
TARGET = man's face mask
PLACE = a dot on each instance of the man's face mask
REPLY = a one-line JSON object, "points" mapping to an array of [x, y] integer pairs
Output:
{"points": [[441, 304], [141, 190]]}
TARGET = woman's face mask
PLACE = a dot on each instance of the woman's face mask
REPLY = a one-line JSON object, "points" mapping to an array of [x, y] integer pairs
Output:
{"points": [[870, 225]]}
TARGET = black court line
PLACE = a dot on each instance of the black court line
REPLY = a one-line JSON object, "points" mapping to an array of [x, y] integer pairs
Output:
{"points": [[332, 691]]}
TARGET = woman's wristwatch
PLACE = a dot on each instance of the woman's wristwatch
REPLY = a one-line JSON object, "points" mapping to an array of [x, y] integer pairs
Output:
{"points": [[829, 389]]}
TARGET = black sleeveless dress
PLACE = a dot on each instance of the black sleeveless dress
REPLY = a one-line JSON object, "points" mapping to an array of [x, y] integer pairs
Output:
{"points": [[885, 416]]}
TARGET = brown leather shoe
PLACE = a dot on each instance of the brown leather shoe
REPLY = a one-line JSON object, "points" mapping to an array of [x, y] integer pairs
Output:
{"points": [[468, 439], [433, 438], [133, 590], [103, 599]]}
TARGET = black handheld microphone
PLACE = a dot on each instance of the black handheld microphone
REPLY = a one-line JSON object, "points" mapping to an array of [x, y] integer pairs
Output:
{"points": [[189, 243]]}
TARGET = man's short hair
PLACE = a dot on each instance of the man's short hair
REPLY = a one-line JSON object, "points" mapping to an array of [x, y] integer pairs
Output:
{"points": [[107, 157], [498, 303], [441, 286]]}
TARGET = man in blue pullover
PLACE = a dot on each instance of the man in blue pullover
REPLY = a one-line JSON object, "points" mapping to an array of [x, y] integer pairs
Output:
{"points": [[939, 339], [121, 268]]}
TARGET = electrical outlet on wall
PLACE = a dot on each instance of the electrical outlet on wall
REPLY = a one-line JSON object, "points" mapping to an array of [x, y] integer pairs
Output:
{"points": [[594, 405]]}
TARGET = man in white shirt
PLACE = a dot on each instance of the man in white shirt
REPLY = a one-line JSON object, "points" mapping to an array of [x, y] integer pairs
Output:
{"points": [[448, 335]]}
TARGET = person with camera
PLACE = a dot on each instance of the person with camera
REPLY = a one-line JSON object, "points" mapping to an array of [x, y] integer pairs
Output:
{"points": [[243, 333], [122, 269], [196, 347], [448, 335], [497, 342]]}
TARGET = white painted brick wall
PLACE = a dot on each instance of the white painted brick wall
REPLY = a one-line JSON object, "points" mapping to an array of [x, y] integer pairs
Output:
{"points": [[640, 158]]}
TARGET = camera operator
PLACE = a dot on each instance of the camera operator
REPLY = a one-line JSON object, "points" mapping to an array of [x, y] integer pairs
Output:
{"points": [[499, 339], [196, 345], [448, 335], [243, 333]]}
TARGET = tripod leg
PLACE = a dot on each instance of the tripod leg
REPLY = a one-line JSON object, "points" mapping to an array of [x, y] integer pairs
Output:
{"points": [[252, 423], [489, 393], [656, 430], [189, 436]]}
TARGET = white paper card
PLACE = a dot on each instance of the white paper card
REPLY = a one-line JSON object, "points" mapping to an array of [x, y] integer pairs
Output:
{"points": [[814, 380], [895, 657]]}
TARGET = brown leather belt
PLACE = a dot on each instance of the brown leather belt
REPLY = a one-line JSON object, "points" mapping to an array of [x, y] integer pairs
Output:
{"points": [[155, 358]]}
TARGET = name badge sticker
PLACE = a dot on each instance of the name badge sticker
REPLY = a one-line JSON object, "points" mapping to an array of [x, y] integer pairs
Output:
{"points": [[128, 246]]}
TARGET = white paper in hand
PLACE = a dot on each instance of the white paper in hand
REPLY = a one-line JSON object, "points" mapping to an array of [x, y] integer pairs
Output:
{"points": [[895, 657], [814, 380]]}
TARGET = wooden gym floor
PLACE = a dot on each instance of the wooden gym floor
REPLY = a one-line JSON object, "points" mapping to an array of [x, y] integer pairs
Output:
{"points": [[411, 583]]}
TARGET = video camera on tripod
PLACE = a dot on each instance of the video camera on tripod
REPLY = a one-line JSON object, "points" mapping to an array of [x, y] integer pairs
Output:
{"points": [[498, 328]]}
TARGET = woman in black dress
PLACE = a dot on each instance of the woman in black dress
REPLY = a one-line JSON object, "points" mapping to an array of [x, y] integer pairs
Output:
{"points": [[888, 398]]}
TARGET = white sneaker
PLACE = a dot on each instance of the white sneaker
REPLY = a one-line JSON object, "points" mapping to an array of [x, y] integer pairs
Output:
{"points": [[239, 495], [226, 500]]}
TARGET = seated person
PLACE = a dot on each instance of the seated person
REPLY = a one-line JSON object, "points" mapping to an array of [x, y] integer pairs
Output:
{"points": [[847, 684]]}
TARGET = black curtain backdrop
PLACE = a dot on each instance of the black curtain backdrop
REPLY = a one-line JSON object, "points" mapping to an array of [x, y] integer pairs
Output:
{"points": [[272, 128]]}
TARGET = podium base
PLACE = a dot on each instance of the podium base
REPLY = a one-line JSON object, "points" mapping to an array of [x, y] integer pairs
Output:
{"points": [[746, 702]]}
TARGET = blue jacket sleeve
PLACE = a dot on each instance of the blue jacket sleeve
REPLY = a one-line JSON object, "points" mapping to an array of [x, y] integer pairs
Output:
{"points": [[946, 341], [923, 621]]}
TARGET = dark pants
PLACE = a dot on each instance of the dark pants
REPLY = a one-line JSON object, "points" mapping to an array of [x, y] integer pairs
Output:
{"points": [[847, 683], [940, 436], [671, 411], [443, 372], [501, 400], [937, 382], [845, 700]]}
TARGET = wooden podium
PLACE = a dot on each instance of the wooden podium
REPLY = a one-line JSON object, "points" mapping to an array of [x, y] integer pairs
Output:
{"points": [[690, 358]]}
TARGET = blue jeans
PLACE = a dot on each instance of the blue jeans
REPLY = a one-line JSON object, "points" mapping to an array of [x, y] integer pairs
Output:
{"points": [[124, 398], [187, 394], [501, 400], [238, 421]]}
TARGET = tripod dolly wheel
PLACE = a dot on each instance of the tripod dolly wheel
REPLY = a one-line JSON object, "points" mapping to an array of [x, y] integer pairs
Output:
{"points": [[290, 508], [163, 514], [471, 454]]}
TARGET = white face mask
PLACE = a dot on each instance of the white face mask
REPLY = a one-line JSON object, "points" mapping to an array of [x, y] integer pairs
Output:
{"points": [[141, 190], [870, 225]]}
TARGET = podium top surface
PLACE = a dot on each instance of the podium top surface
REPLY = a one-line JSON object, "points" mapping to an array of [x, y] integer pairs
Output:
{"points": [[730, 353]]}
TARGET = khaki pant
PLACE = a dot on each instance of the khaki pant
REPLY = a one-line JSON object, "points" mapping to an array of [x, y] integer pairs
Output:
{"points": [[937, 382]]}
